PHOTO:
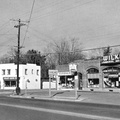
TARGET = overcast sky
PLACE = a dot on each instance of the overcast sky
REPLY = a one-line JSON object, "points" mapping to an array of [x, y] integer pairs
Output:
{"points": [[95, 22]]}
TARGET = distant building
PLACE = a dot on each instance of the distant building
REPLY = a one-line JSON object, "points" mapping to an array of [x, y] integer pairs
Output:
{"points": [[30, 76]]}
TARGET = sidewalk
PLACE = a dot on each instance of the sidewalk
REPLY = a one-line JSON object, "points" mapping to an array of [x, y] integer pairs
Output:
{"points": [[112, 98]]}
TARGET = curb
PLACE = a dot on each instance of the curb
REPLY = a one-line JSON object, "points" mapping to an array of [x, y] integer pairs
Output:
{"points": [[69, 99]]}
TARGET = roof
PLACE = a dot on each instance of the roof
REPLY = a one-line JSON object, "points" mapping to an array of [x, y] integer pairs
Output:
{"points": [[62, 68]]}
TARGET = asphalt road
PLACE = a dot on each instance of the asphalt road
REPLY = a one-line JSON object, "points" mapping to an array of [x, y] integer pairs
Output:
{"points": [[31, 109]]}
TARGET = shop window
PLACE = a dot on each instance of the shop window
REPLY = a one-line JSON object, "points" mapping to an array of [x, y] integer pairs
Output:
{"points": [[13, 83], [92, 70], [111, 82], [8, 71], [10, 83], [93, 82], [3, 71], [67, 81]]}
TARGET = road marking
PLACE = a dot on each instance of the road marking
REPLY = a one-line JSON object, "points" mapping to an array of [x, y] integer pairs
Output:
{"points": [[94, 117]]}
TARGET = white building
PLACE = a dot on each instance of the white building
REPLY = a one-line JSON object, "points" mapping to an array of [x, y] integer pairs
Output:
{"points": [[30, 76]]}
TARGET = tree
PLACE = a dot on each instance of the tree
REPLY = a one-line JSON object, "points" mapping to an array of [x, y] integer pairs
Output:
{"points": [[96, 53], [100, 52], [107, 51], [11, 57], [31, 56], [66, 51]]}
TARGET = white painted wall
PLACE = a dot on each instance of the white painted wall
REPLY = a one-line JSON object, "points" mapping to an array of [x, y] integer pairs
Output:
{"points": [[46, 85], [33, 77]]}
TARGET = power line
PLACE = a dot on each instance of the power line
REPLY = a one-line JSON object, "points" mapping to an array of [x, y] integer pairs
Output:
{"points": [[7, 31], [97, 48], [28, 21], [50, 4], [61, 27], [3, 25], [38, 32], [56, 12], [36, 35]]}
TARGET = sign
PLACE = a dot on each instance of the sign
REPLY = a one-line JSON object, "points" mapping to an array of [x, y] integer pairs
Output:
{"points": [[64, 73], [72, 67], [111, 70], [9, 78], [53, 73], [111, 59]]}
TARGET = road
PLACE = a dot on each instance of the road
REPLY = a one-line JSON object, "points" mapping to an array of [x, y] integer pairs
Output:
{"points": [[31, 109]]}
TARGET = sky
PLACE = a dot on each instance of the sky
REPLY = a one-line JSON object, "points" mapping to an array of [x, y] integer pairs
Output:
{"points": [[96, 23]]}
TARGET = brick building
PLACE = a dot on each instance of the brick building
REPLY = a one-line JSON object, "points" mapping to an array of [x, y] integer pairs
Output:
{"points": [[97, 74]]}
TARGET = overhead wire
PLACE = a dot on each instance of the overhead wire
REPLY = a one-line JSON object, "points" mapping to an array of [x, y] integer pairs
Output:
{"points": [[43, 8], [38, 36], [112, 46], [3, 25], [68, 9], [39, 32], [31, 14], [6, 32], [60, 11], [61, 27], [28, 21], [83, 50]]}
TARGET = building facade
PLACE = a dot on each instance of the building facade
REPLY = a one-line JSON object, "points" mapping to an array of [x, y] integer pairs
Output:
{"points": [[30, 76], [100, 74]]}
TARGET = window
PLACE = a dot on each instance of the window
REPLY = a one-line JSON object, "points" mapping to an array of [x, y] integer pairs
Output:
{"points": [[8, 71], [3, 72], [93, 70], [16, 71], [37, 72], [32, 71], [10, 83], [93, 82], [25, 71]]}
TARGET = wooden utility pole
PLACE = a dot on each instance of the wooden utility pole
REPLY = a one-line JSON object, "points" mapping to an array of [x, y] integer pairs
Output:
{"points": [[18, 56]]}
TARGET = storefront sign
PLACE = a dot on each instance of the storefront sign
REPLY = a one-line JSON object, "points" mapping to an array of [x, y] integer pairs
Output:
{"points": [[9, 78], [53, 73], [111, 59], [72, 67], [64, 73], [111, 70]]}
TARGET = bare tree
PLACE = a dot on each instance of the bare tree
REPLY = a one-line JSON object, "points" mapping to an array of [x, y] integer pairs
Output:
{"points": [[95, 54], [107, 51], [65, 51]]}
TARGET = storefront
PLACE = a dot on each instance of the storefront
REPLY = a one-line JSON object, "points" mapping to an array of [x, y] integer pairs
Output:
{"points": [[111, 71], [93, 78], [66, 80], [100, 74], [66, 76], [10, 81]]}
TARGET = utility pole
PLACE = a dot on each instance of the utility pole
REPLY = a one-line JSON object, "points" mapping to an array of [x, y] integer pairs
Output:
{"points": [[18, 56]]}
